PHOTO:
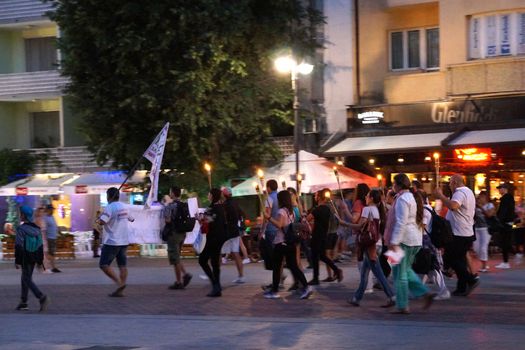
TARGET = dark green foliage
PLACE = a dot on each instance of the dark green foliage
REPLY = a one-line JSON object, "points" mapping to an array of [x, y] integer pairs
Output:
{"points": [[13, 163], [206, 66]]}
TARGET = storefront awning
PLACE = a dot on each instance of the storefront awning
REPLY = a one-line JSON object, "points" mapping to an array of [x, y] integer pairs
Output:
{"points": [[391, 143], [37, 185], [481, 137], [99, 182]]}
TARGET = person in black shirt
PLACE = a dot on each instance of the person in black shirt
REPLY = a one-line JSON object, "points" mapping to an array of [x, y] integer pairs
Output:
{"points": [[321, 218], [506, 214]]}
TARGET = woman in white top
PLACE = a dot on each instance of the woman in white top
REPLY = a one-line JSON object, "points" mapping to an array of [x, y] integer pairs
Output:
{"points": [[373, 211], [407, 234], [484, 209]]}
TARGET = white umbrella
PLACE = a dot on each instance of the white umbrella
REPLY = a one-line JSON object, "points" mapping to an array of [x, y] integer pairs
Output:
{"points": [[318, 173]]}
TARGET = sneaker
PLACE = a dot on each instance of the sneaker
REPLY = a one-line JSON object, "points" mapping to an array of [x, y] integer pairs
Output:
{"points": [[239, 280], [176, 285], [246, 261], [47, 272], [271, 295], [518, 256], [444, 296], [503, 265], [186, 279], [44, 302], [353, 302], [224, 260], [55, 270], [308, 291], [203, 277], [484, 269], [22, 307], [369, 291]]}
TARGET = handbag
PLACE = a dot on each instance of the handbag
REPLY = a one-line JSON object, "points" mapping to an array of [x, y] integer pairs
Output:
{"points": [[199, 243], [369, 234], [494, 224]]}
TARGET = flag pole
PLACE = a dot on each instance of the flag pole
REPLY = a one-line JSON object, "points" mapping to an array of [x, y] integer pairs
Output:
{"points": [[131, 172]]}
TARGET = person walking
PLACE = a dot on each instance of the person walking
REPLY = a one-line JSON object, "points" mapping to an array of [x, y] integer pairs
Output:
{"points": [[115, 228], [51, 234], [506, 215], [407, 236], [29, 251], [374, 210], [484, 210], [283, 250], [215, 219], [234, 219], [176, 240], [460, 214], [321, 216]]}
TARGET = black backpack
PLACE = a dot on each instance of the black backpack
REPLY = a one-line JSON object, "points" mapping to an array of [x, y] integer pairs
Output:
{"points": [[441, 231], [182, 221]]}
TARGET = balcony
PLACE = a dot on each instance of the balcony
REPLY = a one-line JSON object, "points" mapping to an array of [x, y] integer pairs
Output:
{"points": [[488, 76], [14, 13], [31, 86], [414, 87]]}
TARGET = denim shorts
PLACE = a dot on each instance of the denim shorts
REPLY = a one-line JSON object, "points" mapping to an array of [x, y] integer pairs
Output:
{"points": [[110, 252]]}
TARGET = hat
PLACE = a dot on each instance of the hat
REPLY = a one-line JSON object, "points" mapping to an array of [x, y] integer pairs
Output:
{"points": [[27, 212], [505, 185], [226, 191]]}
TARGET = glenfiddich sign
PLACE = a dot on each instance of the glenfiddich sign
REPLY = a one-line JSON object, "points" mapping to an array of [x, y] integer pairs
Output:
{"points": [[450, 112]]}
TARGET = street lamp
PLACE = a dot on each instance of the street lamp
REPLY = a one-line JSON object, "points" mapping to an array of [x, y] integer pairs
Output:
{"points": [[289, 65]]}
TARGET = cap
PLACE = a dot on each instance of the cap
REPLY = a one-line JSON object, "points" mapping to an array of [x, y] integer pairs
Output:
{"points": [[505, 185], [27, 212], [226, 191]]}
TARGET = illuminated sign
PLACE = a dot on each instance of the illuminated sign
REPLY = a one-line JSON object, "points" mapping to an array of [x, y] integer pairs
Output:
{"points": [[81, 189], [472, 155], [372, 117], [22, 191]]}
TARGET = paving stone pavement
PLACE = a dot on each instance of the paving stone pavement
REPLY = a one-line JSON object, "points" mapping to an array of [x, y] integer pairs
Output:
{"points": [[79, 298]]}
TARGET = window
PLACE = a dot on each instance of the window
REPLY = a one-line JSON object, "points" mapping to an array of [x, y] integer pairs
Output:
{"points": [[493, 35], [41, 54], [414, 49], [45, 129]]}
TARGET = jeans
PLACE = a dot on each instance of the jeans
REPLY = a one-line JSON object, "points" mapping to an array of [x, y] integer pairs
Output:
{"points": [[288, 252], [318, 245], [372, 265], [456, 257], [212, 252], [481, 244], [27, 282], [406, 280]]}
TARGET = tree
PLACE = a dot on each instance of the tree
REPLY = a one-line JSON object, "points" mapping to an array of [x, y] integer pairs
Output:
{"points": [[15, 163], [203, 65]]}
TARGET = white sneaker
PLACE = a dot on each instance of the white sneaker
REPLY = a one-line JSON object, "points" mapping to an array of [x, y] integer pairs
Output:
{"points": [[444, 296], [246, 261], [369, 291], [518, 256], [224, 260], [203, 277], [239, 280], [308, 291], [271, 295], [503, 265], [47, 272]]}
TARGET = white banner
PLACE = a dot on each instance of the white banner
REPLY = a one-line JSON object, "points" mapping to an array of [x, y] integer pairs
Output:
{"points": [[154, 154]]}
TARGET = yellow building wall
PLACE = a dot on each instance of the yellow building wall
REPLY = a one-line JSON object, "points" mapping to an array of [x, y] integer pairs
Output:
{"points": [[41, 32], [404, 88]]}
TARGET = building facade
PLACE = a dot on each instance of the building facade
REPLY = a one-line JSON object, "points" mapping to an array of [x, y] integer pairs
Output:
{"points": [[439, 77]]}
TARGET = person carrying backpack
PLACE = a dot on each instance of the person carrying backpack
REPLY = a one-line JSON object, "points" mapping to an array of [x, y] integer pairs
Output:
{"points": [[29, 251], [174, 213]]}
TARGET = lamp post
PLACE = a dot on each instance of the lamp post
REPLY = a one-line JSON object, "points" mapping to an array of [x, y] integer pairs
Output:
{"points": [[288, 64], [207, 167]]}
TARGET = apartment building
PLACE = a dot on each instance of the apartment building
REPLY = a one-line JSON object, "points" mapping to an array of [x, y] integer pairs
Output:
{"points": [[445, 77]]}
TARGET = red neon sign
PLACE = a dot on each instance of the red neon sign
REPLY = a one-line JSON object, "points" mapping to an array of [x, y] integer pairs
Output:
{"points": [[471, 155]]}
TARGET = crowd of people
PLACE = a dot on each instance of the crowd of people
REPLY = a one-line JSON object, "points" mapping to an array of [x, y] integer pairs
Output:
{"points": [[394, 233]]}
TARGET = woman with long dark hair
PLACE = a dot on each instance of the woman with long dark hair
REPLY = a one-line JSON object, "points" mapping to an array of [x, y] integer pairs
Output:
{"points": [[216, 220], [283, 250], [407, 235], [374, 210]]}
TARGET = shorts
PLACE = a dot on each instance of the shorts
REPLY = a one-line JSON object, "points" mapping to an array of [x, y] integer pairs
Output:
{"points": [[331, 241], [231, 246], [51, 246], [110, 252], [175, 242]]}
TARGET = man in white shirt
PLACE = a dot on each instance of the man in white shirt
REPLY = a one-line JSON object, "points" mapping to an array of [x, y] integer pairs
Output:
{"points": [[461, 212], [115, 223]]}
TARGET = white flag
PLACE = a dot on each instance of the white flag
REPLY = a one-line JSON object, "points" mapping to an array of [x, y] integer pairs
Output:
{"points": [[154, 154]]}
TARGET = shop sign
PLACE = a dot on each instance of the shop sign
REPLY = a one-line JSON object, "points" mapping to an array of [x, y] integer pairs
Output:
{"points": [[372, 117], [473, 155], [81, 189], [22, 191]]}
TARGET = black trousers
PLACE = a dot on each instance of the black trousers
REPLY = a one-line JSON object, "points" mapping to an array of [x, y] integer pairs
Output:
{"points": [[456, 258], [27, 282], [211, 254], [505, 241], [289, 253], [318, 245]]}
